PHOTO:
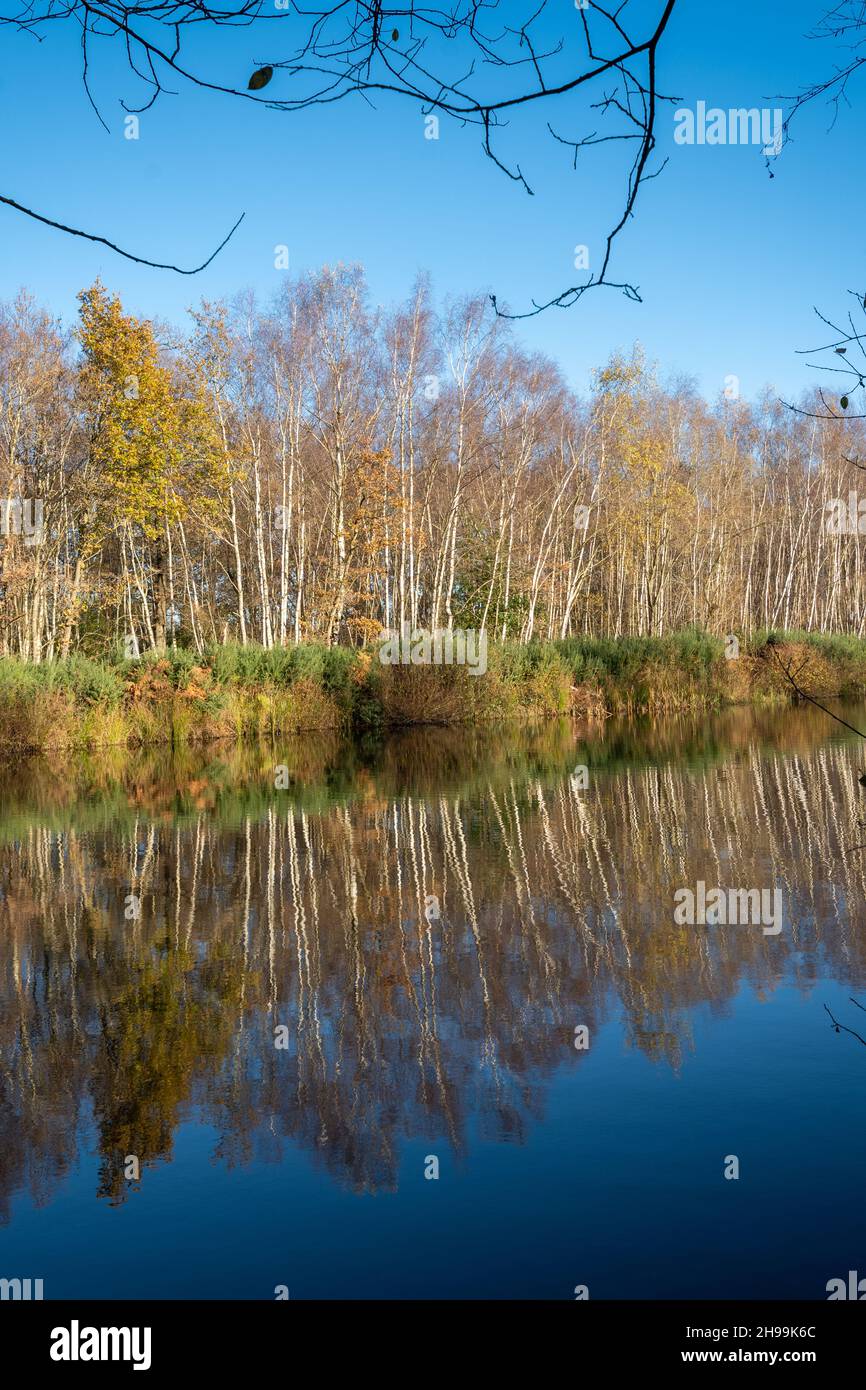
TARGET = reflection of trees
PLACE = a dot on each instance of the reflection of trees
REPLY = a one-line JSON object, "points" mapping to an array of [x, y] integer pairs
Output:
{"points": [[163, 1024], [556, 909]]}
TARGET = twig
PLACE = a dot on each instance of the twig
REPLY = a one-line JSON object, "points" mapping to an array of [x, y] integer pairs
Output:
{"points": [[841, 1026], [812, 701], [103, 241]]}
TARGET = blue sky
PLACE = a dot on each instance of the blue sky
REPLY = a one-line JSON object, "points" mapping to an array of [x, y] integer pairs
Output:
{"points": [[729, 262]]}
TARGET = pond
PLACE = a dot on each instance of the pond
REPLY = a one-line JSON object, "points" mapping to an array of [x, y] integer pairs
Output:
{"points": [[419, 1018]]}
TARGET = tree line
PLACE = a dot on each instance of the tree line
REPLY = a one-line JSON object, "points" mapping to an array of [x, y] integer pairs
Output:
{"points": [[318, 469]]}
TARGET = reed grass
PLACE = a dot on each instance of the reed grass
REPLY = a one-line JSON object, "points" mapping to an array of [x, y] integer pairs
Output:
{"points": [[244, 692]]}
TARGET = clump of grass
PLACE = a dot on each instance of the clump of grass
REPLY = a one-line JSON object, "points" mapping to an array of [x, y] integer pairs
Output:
{"points": [[539, 676], [649, 675], [271, 710], [425, 694], [587, 704], [39, 719], [50, 704]]}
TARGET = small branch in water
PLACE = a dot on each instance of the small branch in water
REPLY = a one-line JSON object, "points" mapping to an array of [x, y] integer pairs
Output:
{"points": [[841, 1027], [792, 680], [786, 671]]}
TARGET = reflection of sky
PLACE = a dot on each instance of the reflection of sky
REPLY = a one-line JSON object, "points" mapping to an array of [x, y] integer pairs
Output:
{"points": [[621, 1188], [729, 261]]}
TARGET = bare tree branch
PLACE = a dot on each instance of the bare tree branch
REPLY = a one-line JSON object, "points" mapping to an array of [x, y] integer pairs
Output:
{"points": [[844, 25], [103, 241], [467, 62]]}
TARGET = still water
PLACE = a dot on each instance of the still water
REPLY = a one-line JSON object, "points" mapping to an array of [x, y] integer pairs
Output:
{"points": [[284, 1009]]}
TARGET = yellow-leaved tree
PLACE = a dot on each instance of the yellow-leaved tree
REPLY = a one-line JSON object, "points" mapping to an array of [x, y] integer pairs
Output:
{"points": [[152, 451], [650, 505]]}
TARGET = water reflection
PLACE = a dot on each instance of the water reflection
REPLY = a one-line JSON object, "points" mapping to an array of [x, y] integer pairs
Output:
{"points": [[162, 917]]}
